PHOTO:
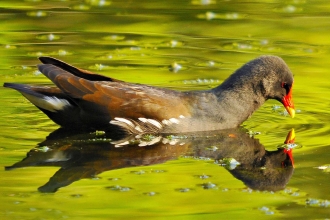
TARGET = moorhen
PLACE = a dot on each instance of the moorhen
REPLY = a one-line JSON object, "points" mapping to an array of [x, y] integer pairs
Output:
{"points": [[85, 100]]}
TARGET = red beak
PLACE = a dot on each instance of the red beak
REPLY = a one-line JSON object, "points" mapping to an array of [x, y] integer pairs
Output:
{"points": [[288, 103]]}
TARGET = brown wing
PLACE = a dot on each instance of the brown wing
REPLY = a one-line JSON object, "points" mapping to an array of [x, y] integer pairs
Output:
{"points": [[85, 74], [118, 99]]}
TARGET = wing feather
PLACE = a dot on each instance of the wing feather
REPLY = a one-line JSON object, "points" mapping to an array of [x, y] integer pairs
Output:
{"points": [[118, 99]]}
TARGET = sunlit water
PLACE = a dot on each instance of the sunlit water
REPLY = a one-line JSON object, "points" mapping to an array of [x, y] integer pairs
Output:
{"points": [[176, 44]]}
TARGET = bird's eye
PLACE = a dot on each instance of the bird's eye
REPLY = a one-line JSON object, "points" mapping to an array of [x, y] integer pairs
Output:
{"points": [[286, 87]]}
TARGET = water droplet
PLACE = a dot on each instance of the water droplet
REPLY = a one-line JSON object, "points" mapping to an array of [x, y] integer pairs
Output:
{"points": [[135, 48], [49, 37], [37, 13], [23, 67], [209, 185], [210, 15], [99, 3], [81, 7], [36, 73], [38, 54], [242, 46], [119, 188], [7, 46], [100, 66], [183, 190], [203, 2], [114, 37], [150, 193], [211, 63], [175, 67], [158, 171], [312, 201], [76, 195], [125, 189], [289, 8], [264, 42], [203, 176], [264, 208], [63, 52], [140, 172], [232, 16]]}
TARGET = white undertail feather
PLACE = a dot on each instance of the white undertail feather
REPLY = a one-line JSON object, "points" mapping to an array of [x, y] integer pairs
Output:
{"points": [[50, 103], [56, 103]]}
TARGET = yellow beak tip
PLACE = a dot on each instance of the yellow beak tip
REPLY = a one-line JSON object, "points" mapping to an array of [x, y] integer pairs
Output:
{"points": [[291, 111]]}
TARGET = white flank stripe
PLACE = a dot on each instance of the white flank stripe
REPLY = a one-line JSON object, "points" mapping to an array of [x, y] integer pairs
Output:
{"points": [[143, 119], [128, 122], [174, 120], [138, 128], [156, 123], [166, 122]]}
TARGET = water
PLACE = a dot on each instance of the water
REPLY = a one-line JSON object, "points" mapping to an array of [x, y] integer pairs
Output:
{"points": [[175, 44]]}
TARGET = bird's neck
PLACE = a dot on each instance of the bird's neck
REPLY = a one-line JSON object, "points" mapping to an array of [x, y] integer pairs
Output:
{"points": [[238, 101]]}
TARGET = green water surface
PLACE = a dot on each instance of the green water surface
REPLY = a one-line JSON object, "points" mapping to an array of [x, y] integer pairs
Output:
{"points": [[142, 41]]}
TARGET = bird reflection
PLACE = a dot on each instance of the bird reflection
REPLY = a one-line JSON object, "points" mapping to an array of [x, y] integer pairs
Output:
{"points": [[85, 155]]}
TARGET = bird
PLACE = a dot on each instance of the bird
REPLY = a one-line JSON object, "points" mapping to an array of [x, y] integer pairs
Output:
{"points": [[85, 100]]}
